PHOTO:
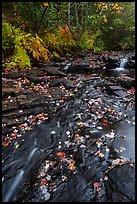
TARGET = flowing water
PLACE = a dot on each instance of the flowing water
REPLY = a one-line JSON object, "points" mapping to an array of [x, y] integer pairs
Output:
{"points": [[123, 62], [46, 139], [128, 131]]}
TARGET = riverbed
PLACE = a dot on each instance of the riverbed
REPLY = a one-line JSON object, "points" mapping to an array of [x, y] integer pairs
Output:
{"points": [[66, 133]]}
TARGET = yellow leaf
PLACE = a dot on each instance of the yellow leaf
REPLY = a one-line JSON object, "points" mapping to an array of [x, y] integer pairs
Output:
{"points": [[45, 4], [17, 146]]}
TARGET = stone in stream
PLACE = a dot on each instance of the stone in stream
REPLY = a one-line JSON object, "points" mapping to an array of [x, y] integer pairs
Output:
{"points": [[130, 64], [122, 182], [54, 71], [78, 68], [109, 62], [62, 81]]}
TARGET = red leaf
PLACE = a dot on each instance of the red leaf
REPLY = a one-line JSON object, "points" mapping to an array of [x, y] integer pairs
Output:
{"points": [[105, 121], [104, 124], [61, 154], [96, 184], [43, 181]]}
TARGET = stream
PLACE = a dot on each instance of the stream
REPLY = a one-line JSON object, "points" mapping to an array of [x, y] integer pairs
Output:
{"points": [[70, 156]]}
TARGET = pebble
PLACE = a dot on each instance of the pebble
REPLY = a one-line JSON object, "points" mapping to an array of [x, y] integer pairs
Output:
{"points": [[67, 132], [19, 135], [53, 132], [87, 136], [107, 149], [46, 196], [105, 178], [82, 146], [48, 177], [99, 128]]}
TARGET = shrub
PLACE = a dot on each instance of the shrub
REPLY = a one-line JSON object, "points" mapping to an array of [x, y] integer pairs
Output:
{"points": [[7, 39], [24, 47]]}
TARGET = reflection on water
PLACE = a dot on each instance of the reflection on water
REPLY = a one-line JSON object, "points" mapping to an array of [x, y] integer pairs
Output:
{"points": [[113, 72], [127, 130]]}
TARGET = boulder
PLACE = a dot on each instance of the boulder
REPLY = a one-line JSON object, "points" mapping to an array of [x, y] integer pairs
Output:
{"points": [[122, 182], [78, 68], [110, 63]]}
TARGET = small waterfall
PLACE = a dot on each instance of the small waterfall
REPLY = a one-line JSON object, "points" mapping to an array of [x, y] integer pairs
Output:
{"points": [[123, 62], [32, 153], [14, 185], [67, 66], [122, 65]]}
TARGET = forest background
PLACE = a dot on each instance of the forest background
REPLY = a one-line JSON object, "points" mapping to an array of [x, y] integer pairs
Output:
{"points": [[41, 31]]}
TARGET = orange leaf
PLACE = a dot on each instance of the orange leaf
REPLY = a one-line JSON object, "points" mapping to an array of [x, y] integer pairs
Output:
{"points": [[13, 136], [5, 144], [71, 166], [61, 154], [41, 116], [72, 161]]}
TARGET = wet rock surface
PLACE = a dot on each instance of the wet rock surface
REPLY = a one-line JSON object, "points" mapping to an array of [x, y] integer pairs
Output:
{"points": [[62, 132]]}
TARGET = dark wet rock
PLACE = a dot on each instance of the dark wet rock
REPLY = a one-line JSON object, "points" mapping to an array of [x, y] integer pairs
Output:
{"points": [[124, 81], [13, 75], [58, 59], [78, 68], [38, 64], [82, 56], [62, 81], [133, 57], [54, 71], [130, 64], [73, 105], [122, 179], [110, 63], [10, 91], [116, 90]]}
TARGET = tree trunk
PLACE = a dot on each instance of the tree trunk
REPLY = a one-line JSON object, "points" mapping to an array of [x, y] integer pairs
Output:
{"points": [[42, 18], [69, 13], [82, 14], [76, 14], [86, 17]]}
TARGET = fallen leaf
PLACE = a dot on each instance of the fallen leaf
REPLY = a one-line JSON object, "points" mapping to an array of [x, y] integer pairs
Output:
{"points": [[71, 164], [61, 154], [105, 124], [5, 143], [105, 121], [41, 116], [44, 181], [68, 132], [16, 146], [101, 155], [96, 184]]}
